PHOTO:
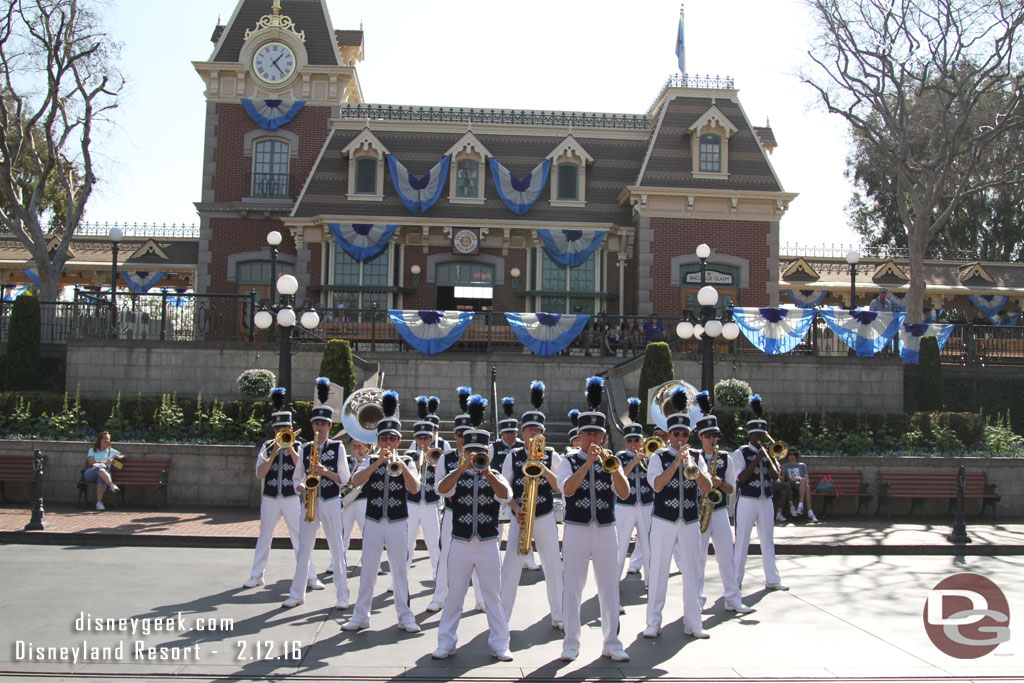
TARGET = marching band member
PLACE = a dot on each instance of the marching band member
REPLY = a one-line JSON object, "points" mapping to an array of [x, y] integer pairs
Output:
{"points": [[475, 491], [356, 511], [275, 466], [423, 503], [508, 431], [389, 478], [433, 403], [590, 482], [754, 482], [719, 531], [545, 532], [635, 511], [333, 473], [676, 480]]}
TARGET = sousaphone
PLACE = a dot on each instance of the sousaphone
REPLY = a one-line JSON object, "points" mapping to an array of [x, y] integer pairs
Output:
{"points": [[660, 406], [361, 412]]}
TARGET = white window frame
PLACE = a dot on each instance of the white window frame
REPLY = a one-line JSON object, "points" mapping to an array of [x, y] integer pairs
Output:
{"points": [[288, 165], [332, 268], [468, 147], [598, 266], [712, 122], [569, 150], [365, 145]]}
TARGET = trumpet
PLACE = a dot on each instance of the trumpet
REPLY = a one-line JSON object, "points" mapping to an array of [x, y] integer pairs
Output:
{"points": [[609, 463], [394, 465], [481, 461], [286, 438], [690, 470], [432, 455]]}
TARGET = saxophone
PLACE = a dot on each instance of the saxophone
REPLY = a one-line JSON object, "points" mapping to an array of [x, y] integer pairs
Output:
{"points": [[709, 500], [312, 483], [531, 470]]}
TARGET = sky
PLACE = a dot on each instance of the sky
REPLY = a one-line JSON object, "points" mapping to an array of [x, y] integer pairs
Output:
{"points": [[554, 54]]}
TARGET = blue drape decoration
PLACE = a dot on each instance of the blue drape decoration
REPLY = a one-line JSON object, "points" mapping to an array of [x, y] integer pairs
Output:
{"points": [[419, 194], [33, 275], [1004, 318], [519, 194], [774, 330], [272, 114], [933, 314], [898, 300], [431, 332], [807, 298], [362, 241], [140, 281], [912, 334], [14, 292], [866, 332], [571, 247], [179, 300], [991, 306], [547, 334]]}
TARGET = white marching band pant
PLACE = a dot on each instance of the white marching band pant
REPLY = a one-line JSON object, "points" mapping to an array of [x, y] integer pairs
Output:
{"points": [[271, 510], [353, 514], [581, 544], [664, 537], [328, 514], [751, 512], [545, 535], [627, 518], [464, 560], [720, 533], [424, 515], [441, 577], [377, 536]]}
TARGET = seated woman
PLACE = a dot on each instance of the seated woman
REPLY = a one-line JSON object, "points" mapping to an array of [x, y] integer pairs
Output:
{"points": [[98, 462], [794, 474]]}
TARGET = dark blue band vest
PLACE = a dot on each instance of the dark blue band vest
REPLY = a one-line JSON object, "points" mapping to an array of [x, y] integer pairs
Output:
{"points": [[760, 483], [278, 481], [637, 481], [545, 501], [473, 508], [594, 500], [679, 493], [328, 453], [387, 495]]}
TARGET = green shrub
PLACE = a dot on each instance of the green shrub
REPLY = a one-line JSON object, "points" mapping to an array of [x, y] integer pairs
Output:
{"points": [[337, 365], [256, 383], [168, 418], [930, 394], [1000, 438], [22, 366], [732, 392], [116, 424], [657, 369], [254, 428], [68, 423]]}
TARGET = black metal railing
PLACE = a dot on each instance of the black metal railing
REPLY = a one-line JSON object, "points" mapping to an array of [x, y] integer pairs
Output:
{"points": [[183, 231], [269, 185], [513, 117]]}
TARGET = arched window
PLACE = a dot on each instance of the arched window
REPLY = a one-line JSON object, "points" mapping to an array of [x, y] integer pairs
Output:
{"points": [[366, 175], [270, 169], [467, 178], [710, 154]]}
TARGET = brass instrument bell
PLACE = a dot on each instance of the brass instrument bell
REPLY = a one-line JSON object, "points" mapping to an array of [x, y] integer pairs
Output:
{"points": [[286, 438]]}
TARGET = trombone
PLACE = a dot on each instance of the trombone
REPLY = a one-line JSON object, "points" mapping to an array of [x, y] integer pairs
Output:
{"points": [[775, 452], [286, 438], [648, 448]]}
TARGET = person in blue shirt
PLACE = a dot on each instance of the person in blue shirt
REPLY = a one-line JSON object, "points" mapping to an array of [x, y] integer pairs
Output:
{"points": [[101, 457]]}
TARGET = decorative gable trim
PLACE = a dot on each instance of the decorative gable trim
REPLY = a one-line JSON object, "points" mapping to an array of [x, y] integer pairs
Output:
{"points": [[363, 145], [468, 147], [712, 122], [569, 151], [569, 146], [713, 118], [801, 271], [975, 274], [149, 247], [890, 274]]}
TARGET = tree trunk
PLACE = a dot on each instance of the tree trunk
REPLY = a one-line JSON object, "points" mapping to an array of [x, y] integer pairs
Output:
{"points": [[916, 251]]}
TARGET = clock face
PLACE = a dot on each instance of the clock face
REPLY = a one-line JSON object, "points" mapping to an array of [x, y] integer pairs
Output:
{"points": [[273, 63], [465, 241]]}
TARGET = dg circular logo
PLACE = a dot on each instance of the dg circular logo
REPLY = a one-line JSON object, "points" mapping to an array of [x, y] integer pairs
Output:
{"points": [[966, 616]]}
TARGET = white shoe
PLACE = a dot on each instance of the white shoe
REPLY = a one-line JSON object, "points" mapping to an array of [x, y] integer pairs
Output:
{"points": [[342, 605], [435, 606], [329, 570], [353, 625], [651, 632], [391, 588], [811, 517], [779, 517], [738, 607], [558, 624], [441, 653], [480, 607], [569, 655], [114, 488], [503, 656], [622, 610], [531, 568], [776, 587], [793, 511], [253, 581], [633, 570], [292, 602], [616, 655], [696, 632], [100, 507], [411, 627], [800, 509], [315, 585]]}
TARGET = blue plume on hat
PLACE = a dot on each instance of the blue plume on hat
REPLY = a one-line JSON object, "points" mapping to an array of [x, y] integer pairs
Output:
{"points": [[464, 393], [323, 388], [634, 408], [574, 417], [389, 403], [277, 397], [421, 407], [595, 391], [755, 405], [475, 408], [537, 394], [679, 398], [509, 404], [433, 403], [704, 401]]}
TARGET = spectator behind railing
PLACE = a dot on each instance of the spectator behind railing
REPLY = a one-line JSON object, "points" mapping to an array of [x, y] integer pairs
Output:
{"points": [[100, 458], [654, 331]]}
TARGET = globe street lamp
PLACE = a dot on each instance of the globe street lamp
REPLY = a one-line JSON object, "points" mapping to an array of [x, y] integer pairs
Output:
{"points": [[274, 240], [708, 327], [286, 317], [853, 258], [115, 235]]}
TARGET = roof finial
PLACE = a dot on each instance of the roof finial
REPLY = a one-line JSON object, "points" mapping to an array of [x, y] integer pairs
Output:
{"points": [[277, 7]]}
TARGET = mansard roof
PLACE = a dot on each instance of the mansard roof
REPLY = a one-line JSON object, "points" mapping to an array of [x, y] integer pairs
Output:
{"points": [[309, 16]]}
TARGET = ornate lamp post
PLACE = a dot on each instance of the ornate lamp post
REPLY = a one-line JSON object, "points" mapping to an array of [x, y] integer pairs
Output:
{"points": [[286, 317], [274, 240], [853, 258], [708, 327], [115, 235]]}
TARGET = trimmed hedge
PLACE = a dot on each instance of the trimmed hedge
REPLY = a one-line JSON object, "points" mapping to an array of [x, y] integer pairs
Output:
{"points": [[22, 365], [657, 369], [337, 365]]}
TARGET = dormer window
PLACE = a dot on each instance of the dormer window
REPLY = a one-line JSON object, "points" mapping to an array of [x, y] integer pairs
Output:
{"points": [[709, 149], [365, 167], [468, 169], [568, 181], [467, 178], [366, 175], [710, 154], [569, 175]]}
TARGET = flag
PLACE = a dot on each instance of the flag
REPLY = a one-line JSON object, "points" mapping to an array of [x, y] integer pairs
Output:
{"points": [[680, 46]]}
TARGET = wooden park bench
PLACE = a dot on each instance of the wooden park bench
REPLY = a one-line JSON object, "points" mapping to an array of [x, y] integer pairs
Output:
{"points": [[920, 486], [15, 468], [848, 484], [136, 472]]}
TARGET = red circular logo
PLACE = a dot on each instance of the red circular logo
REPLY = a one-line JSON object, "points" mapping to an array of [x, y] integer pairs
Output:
{"points": [[967, 616]]}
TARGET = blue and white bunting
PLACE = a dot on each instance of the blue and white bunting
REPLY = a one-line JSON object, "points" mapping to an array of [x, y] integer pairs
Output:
{"points": [[1004, 318], [912, 334], [362, 241], [807, 298], [991, 306], [431, 332], [571, 247], [141, 281], [866, 332], [419, 194], [898, 300], [272, 114], [13, 292], [547, 334], [931, 315], [179, 300], [774, 330], [33, 275], [519, 194]]}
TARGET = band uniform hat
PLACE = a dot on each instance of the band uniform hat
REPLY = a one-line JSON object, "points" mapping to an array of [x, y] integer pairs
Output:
{"points": [[535, 418], [680, 419], [594, 420], [758, 425], [322, 412], [280, 417], [475, 438], [389, 424], [707, 422], [423, 426], [433, 403], [574, 420], [509, 423], [634, 429], [462, 419]]}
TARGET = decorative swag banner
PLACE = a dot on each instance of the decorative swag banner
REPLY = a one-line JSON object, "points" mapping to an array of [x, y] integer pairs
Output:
{"points": [[912, 334], [272, 114], [546, 334], [807, 298], [13, 292], [362, 241], [991, 305], [431, 332], [866, 332], [520, 194], [571, 247], [33, 275], [419, 194], [774, 330], [141, 281]]}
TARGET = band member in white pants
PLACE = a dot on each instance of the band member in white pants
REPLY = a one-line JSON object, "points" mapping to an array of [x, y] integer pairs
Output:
{"points": [[508, 441], [356, 512], [545, 532], [590, 482], [635, 511], [476, 492], [332, 470], [677, 481], [389, 478], [754, 506], [275, 467], [423, 503]]}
